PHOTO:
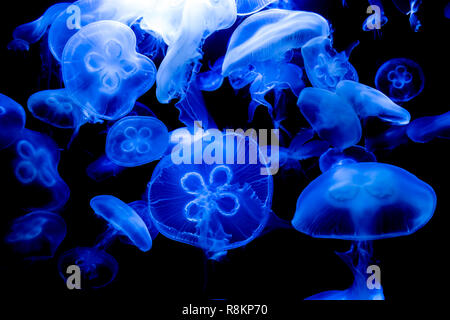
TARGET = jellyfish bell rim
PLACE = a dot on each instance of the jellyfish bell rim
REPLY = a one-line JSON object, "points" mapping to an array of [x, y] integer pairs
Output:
{"points": [[366, 237]]}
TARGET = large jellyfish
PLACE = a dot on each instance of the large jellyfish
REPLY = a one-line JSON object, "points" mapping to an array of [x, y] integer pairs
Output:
{"points": [[400, 79], [103, 72], [410, 7], [331, 117], [135, 141], [98, 267], [216, 197], [260, 51], [12, 121], [425, 129], [37, 164], [326, 67], [369, 102], [37, 235], [363, 202]]}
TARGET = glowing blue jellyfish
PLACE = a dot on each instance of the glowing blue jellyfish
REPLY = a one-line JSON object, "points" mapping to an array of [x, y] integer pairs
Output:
{"points": [[324, 66], [334, 157], [248, 7], [447, 11], [369, 102], [400, 79], [103, 72], [141, 208], [32, 32], [217, 204], [260, 50], [425, 129], [37, 235], [211, 80], [410, 7], [363, 202], [331, 117], [135, 141], [103, 169], [378, 19], [12, 121], [388, 140], [37, 164]]}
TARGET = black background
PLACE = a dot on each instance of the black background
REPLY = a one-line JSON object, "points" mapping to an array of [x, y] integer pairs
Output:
{"points": [[280, 268]]}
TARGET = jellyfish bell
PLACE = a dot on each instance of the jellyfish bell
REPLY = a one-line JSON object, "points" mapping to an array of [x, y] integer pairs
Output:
{"points": [[400, 79], [425, 129], [369, 102], [12, 121], [97, 267], [37, 235], [334, 157], [141, 208], [248, 7], [123, 219]]}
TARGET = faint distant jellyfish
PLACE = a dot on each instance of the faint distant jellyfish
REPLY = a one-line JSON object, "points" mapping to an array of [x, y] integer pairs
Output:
{"points": [[103, 72], [331, 117], [410, 7], [369, 102], [103, 169], [248, 7], [37, 164], [12, 121], [400, 79], [447, 11], [388, 140], [425, 129], [98, 268], [211, 80], [216, 207], [325, 66], [37, 235], [260, 51], [362, 202], [135, 141], [334, 157]]}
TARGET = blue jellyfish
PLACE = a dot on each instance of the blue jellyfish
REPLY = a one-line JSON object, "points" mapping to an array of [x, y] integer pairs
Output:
{"points": [[37, 235], [378, 19], [410, 7], [260, 51], [447, 11], [197, 20], [425, 129], [363, 202], [103, 168], [37, 164], [211, 80], [324, 66], [103, 72], [334, 157], [248, 7], [216, 197], [387, 140], [369, 102], [135, 141], [97, 266], [32, 32], [141, 208], [12, 121], [400, 79], [331, 117]]}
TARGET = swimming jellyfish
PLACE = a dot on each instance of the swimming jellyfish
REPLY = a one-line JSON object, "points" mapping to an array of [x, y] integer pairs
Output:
{"points": [[331, 117], [324, 66], [410, 7], [97, 266], [135, 141], [400, 79], [260, 51], [218, 203], [363, 202], [387, 140], [369, 102], [248, 7], [211, 80], [102, 169], [103, 72], [37, 235], [425, 129], [37, 164], [12, 121]]}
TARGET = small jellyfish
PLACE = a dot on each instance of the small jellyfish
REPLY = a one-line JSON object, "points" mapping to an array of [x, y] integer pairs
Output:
{"points": [[103, 169], [37, 164], [425, 129], [219, 203], [334, 157], [331, 117], [103, 72], [388, 140], [211, 80], [369, 102], [248, 7], [410, 7], [363, 202], [447, 11], [135, 141], [326, 67], [37, 235], [12, 121], [400, 79], [98, 267], [32, 32], [260, 51]]}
